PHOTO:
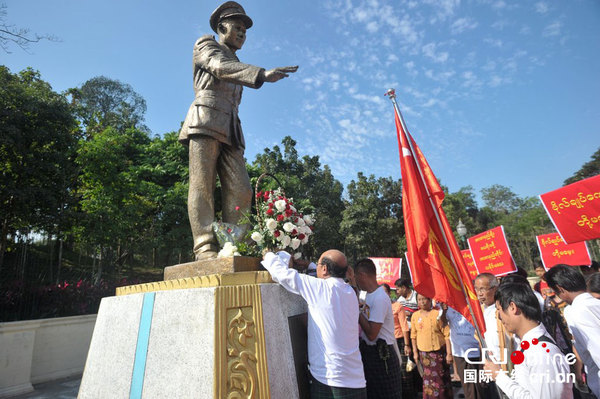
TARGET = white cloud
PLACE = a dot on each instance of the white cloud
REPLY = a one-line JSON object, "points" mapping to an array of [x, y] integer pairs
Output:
{"points": [[493, 42], [541, 7], [429, 50], [553, 29], [462, 24]]}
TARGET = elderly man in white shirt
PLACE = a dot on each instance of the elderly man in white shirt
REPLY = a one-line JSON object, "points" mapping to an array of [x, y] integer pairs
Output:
{"points": [[333, 350], [582, 316], [485, 287], [541, 369]]}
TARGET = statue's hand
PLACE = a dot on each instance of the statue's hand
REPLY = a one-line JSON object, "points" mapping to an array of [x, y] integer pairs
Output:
{"points": [[273, 75]]}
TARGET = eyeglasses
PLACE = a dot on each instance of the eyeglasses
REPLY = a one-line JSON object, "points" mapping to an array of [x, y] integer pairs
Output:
{"points": [[483, 289]]}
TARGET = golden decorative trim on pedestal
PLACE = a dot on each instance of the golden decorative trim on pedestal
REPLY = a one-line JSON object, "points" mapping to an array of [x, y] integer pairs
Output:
{"points": [[240, 353], [212, 280]]}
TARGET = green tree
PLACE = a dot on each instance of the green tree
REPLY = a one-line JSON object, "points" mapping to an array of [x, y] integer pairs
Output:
{"points": [[37, 145], [589, 169], [372, 222], [313, 187], [116, 200], [165, 164], [462, 205], [102, 102]]}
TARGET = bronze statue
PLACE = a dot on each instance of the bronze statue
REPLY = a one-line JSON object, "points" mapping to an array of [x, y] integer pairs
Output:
{"points": [[212, 129]]}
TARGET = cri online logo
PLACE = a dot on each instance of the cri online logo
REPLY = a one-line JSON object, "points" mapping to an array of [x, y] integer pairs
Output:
{"points": [[517, 357]]}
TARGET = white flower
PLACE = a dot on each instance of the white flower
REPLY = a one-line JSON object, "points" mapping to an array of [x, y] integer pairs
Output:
{"points": [[305, 240], [280, 205], [300, 222], [289, 227], [295, 243], [292, 208], [305, 230], [297, 255], [271, 224], [256, 236], [285, 241], [308, 219], [228, 250]]}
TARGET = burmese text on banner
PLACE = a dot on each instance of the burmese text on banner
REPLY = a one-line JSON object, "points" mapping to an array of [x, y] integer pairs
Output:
{"points": [[491, 253], [468, 258], [575, 210], [432, 247], [554, 251], [388, 270]]}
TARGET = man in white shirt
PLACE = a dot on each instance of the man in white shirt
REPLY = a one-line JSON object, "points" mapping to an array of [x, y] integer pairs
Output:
{"points": [[333, 352], [582, 316], [381, 362], [485, 287], [464, 347], [541, 369]]}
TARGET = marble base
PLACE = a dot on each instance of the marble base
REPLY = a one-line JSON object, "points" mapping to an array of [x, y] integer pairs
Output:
{"points": [[213, 266], [217, 341]]}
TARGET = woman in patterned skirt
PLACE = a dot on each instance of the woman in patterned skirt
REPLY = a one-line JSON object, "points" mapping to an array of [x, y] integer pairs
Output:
{"points": [[429, 341]]}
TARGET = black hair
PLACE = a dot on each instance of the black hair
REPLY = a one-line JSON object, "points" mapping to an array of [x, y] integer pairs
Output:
{"points": [[403, 282], [523, 298], [593, 283], [521, 272], [514, 279], [386, 286], [333, 269], [566, 277], [366, 266]]}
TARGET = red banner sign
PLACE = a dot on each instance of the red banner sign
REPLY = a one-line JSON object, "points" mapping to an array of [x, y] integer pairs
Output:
{"points": [[554, 251], [575, 210], [491, 253], [388, 270], [470, 264]]}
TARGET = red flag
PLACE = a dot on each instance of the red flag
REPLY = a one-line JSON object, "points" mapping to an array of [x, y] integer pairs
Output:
{"points": [[430, 255]]}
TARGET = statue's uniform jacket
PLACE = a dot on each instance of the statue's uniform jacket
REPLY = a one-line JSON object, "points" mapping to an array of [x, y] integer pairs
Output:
{"points": [[213, 132], [218, 79]]}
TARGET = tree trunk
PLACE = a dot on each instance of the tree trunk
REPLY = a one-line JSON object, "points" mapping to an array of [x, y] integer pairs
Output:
{"points": [[60, 253], [99, 273], [50, 263], [93, 264]]}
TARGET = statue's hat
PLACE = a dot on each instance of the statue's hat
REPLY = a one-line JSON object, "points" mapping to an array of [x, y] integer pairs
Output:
{"points": [[229, 9]]}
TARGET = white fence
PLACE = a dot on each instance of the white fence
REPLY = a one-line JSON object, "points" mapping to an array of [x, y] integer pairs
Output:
{"points": [[36, 351]]}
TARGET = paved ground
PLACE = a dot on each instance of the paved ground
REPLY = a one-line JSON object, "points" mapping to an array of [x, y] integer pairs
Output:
{"points": [[59, 389], [68, 388]]}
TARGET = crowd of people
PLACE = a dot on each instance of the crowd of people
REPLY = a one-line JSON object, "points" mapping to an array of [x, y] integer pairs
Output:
{"points": [[539, 342]]}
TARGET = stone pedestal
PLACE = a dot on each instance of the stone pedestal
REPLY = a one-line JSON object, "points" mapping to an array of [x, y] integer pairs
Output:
{"points": [[214, 336], [213, 266]]}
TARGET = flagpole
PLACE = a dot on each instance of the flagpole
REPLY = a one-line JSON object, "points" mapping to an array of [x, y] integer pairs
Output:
{"points": [[391, 93]]}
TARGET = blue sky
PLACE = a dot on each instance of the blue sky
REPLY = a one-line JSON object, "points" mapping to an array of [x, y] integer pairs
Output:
{"points": [[494, 92]]}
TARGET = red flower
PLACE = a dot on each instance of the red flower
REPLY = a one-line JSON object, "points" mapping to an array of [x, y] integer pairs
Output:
{"points": [[301, 237], [270, 212], [294, 232], [270, 205], [276, 233], [288, 212], [287, 206], [279, 218], [259, 194], [237, 208]]}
